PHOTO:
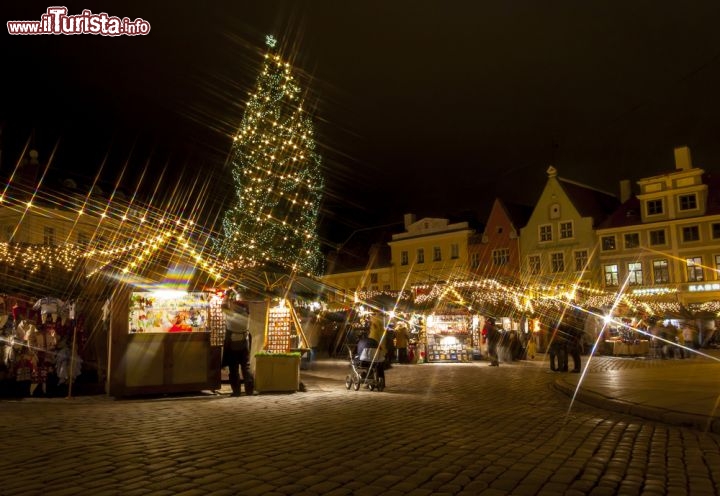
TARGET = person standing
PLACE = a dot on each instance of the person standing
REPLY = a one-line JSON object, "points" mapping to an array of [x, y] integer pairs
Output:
{"points": [[493, 339], [402, 338], [574, 345], [236, 348]]}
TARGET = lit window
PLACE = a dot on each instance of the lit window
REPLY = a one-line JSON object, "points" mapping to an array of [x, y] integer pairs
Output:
{"points": [[635, 275], [694, 269], [611, 275], [661, 272]]}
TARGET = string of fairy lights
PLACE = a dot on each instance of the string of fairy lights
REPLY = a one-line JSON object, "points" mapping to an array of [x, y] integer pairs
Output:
{"points": [[277, 176]]}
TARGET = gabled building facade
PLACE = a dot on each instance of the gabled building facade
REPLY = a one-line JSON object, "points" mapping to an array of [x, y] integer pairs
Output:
{"points": [[496, 252], [667, 238], [558, 243]]}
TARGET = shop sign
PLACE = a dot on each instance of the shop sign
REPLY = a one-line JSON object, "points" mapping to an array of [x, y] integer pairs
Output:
{"points": [[714, 286]]}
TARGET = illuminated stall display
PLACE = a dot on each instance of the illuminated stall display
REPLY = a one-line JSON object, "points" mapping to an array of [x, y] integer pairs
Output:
{"points": [[448, 338], [169, 312], [283, 330], [165, 342]]}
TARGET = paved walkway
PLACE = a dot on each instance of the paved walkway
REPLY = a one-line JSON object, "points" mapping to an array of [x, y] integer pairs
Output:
{"points": [[440, 429], [675, 391]]}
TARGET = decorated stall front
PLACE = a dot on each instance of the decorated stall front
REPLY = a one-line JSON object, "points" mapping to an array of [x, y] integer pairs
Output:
{"points": [[277, 366], [449, 337], [164, 341]]}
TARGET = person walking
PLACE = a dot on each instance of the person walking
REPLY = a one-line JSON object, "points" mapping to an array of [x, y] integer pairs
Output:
{"points": [[493, 339]]}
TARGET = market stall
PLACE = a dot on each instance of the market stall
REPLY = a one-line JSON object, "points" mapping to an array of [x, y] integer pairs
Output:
{"points": [[164, 341], [449, 337]]}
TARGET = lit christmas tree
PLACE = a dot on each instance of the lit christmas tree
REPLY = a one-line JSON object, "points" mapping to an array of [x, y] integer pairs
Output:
{"points": [[277, 177]]}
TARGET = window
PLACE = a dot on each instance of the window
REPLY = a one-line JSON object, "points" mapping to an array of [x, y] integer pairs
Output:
{"points": [[690, 233], [557, 262], [404, 258], [373, 277], [657, 237], [501, 256], [635, 275], [566, 230], [475, 260], [546, 233], [455, 251], [607, 243], [437, 254], [694, 269], [654, 207], [499, 229], [421, 255], [717, 266], [632, 240], [611, 275], [688, 202], [715, 228], [581, 260], [48, 236], [386, 287], [534, 264], [661, 273]]}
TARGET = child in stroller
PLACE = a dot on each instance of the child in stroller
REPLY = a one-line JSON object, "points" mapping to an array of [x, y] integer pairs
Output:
{"points": [[367, 366]]}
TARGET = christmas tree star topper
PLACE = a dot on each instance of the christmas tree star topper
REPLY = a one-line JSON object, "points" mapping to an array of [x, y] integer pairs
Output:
{"points": [[270, 41]]}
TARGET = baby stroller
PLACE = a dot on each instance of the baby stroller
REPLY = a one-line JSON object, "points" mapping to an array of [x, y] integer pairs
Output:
{"points": [[366, 369]]}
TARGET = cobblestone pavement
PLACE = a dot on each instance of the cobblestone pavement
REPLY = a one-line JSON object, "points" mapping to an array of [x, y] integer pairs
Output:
{"points": [[455, 429]]}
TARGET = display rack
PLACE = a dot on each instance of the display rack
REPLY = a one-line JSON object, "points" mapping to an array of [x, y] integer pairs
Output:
{"points": [[448, 339], [283, 330]]}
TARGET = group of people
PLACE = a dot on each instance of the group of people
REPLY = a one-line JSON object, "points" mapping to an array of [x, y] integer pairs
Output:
{"points": [[565, 342], [669, 341]]}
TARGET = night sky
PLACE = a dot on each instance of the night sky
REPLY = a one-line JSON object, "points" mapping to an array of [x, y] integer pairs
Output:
{"points": [[420, 106]]}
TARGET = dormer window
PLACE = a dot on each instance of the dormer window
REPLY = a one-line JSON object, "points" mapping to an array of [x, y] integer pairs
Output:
{"points": [[688, 202], [654, 207]]}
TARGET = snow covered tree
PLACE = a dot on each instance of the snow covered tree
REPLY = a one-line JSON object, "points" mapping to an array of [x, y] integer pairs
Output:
{"points": [[277, 176]]}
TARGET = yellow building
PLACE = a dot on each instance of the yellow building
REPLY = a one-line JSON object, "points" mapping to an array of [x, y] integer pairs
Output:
{"points": [[557, 246], [430, 251], [667, 238]]}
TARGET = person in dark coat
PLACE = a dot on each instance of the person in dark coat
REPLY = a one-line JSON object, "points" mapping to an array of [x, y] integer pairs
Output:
{"points": [[558, 349], [493, 339], [574, 344], [236, 348]]}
